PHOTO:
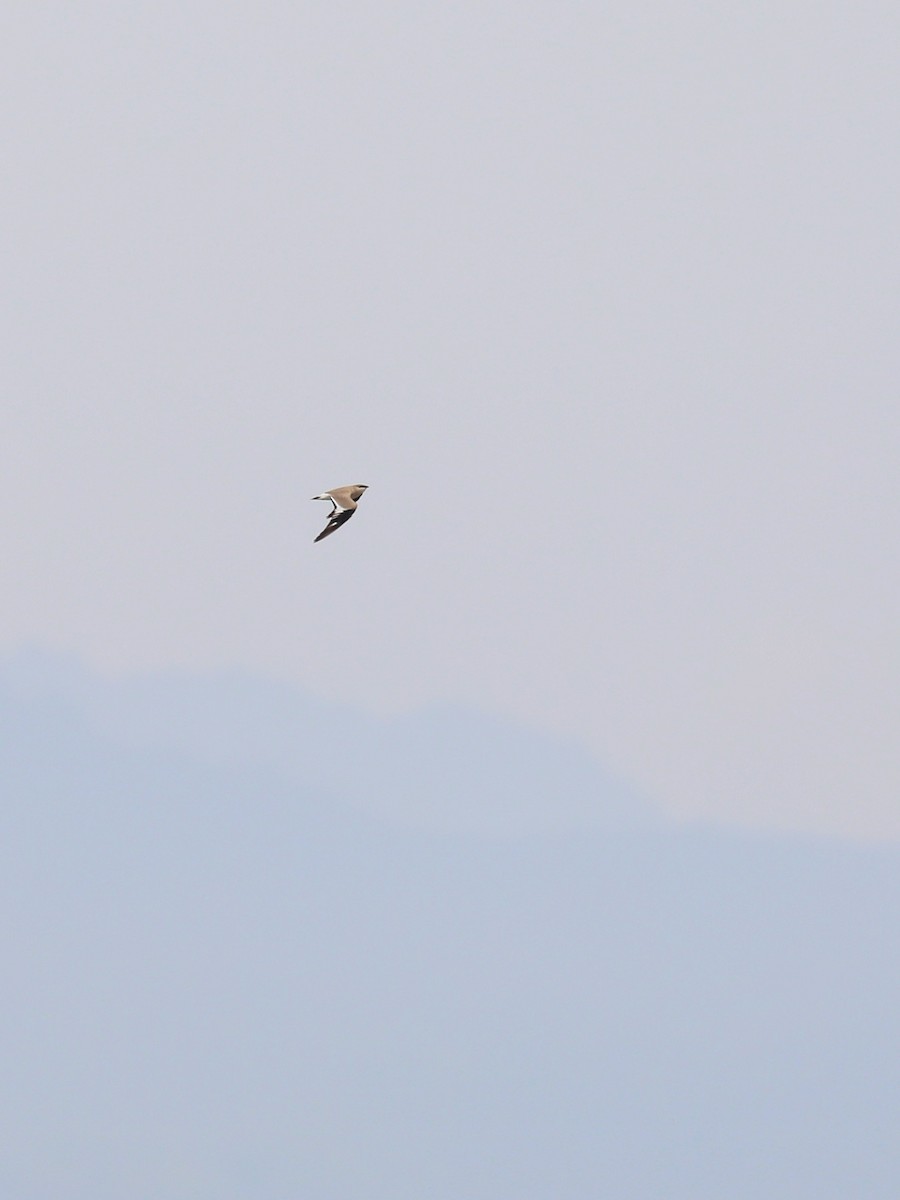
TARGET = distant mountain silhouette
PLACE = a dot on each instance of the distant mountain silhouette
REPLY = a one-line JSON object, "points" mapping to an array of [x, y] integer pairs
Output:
{"points": [[222, 983], [442, 768]]}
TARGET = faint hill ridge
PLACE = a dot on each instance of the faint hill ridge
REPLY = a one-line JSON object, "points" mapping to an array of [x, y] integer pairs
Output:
{"points": [[223, 983], [440, 768]]}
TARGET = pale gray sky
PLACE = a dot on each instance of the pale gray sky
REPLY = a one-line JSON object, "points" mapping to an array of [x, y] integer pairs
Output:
{"points": [[601, 304]]}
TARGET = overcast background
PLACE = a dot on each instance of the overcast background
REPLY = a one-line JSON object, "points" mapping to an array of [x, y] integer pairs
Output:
{"points": [[534, 837], [601, 301]]}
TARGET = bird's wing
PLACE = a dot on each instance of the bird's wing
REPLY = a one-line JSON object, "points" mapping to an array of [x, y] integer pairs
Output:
{"points": [[335, 521]]}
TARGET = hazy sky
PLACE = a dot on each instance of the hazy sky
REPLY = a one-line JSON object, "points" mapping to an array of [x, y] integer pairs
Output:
{"points": [[602, 303]]}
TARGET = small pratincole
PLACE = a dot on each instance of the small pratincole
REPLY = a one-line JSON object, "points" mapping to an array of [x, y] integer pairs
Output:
{"points": [[343, 501]]}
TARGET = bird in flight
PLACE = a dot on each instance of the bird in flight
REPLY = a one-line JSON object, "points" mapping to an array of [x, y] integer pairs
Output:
{"points": [[343, 506]]}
